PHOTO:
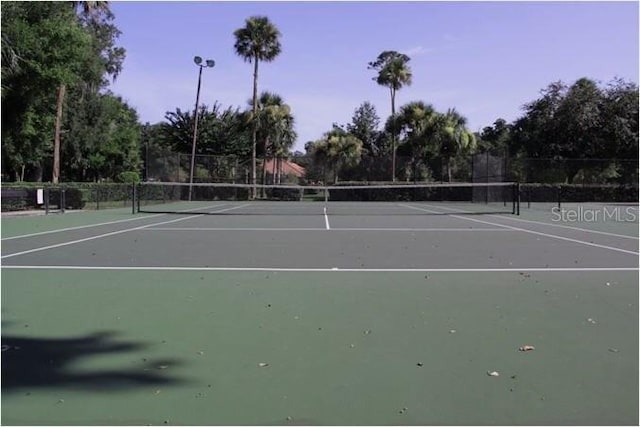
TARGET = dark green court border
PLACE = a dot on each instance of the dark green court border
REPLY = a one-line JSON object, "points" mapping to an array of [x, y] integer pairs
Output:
{"points": [[176, 348]]}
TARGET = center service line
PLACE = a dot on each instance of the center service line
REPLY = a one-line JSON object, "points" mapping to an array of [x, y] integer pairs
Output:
{"points": [[326, 219]]}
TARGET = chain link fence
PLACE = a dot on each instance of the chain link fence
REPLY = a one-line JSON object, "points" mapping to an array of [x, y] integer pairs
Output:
{"points": [[544, 182]]}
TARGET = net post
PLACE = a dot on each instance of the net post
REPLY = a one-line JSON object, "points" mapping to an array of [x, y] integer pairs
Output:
{"points": [[133, 198], [559, 195], [97, 197], [516, 199], [138, 198], [63, 200], [46, 201], [504, 197]]}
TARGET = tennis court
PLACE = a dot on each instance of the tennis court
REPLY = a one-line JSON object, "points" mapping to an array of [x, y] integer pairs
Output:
{"points": [[303, 313]]}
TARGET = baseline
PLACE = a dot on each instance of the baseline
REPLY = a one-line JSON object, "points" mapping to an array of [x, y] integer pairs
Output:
{"points": [[471, 229], [354, 270]]}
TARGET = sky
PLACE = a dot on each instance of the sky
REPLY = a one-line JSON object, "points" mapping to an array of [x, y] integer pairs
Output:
{"points": [[485, 59]]}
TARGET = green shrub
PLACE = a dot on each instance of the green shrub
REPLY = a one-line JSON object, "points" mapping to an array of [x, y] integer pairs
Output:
{"points": [[128, 177]]}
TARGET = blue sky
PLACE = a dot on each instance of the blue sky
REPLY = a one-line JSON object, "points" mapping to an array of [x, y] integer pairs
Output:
{"points": [[486, 59]]}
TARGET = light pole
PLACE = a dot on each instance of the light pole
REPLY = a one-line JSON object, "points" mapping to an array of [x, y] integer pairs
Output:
{"points": [[209, 63]]}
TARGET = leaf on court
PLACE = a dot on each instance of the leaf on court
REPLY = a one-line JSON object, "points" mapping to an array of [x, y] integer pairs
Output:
{"points": [[452, 331], [590, 320], [527, 348], [367, 331], [262, 365], [493, 373], [614, 350], [163, 366]]}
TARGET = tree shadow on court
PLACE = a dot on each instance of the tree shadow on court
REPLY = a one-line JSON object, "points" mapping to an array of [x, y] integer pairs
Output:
{"points": [[29, 362]]}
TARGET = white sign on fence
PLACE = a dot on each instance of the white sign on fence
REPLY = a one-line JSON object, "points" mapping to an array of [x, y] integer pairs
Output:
{"points": [[40, 196]]}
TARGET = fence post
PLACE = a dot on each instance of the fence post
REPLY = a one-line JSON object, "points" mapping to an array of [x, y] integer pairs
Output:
{"points": [[486, 193], [133, 197], [46, 201], [559, 195], [63, 200]]}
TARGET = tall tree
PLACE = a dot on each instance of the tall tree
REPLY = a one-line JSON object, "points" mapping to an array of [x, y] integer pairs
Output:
{"points": [[220, 131], [417, 123], [535, 131], [620, 121], [53, 49], [393, 72], [90, 10], [496, 137], [273, 122], [258, 40], [102, 140], [364, 126], [336, 151], [453, 138]]}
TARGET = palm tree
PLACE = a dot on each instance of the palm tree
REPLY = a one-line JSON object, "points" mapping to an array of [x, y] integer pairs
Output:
{"points": [[337, 150], [274, 126], [90, 10], [281, 147], [417, 122], [394, 73], [453, 137], [257, 41]]}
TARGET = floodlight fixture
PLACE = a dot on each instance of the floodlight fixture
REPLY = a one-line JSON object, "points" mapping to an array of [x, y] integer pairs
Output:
{"points": [[209, 63]]}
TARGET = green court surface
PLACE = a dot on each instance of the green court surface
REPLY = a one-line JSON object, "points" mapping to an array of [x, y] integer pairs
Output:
{"points": [[318, 320]]}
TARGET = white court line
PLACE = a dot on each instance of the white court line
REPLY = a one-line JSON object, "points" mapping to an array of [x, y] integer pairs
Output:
{"points": [[571, 228], [22, 236], [355, 270], [553, 236], [321, 229], [326, 219], [113, 233], [548, 224]]}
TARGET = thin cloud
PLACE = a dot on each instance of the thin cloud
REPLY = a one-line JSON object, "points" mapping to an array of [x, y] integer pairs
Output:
{"points": [[450, 38], [418, 50]]}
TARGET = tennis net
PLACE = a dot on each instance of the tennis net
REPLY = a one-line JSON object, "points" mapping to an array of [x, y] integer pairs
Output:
{"points": [[389, 199]]}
